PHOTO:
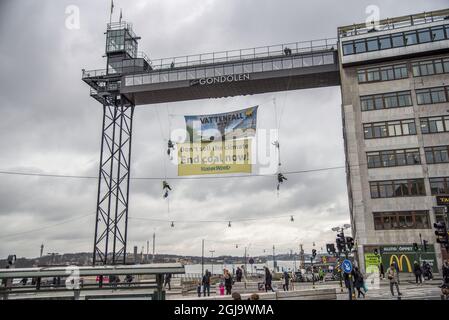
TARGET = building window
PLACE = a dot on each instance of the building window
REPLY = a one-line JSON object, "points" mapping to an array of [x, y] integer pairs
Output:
{"points": [[438, 154], [393, 158], [397, 188], [430, 67], [401, 220], [396, 40], [435, 124], [386, 101], [439, 186], [385, 73], [432, 95], [389, 129]]}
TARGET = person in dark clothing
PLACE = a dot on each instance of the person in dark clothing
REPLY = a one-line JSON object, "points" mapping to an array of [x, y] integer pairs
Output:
{"points": [[349, 283], [228, 282], [446, 271], [238, 274], [418, 272], [359, 282], [286, 280], [167, 280], [281, 179], [206, 283], [170, 147], [382, 270], [268, 279]]}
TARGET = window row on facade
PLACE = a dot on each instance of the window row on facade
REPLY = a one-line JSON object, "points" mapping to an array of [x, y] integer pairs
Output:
{"points": [[406, 157], [386, 101], [408, 187], [432, 95], [400, 71], [394, 220], [397, 188], [396, 40], [405, 127], [404, 98], [231, 69]]}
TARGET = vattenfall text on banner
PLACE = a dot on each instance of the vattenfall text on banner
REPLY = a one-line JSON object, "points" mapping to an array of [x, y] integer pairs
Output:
{"points": [[216, 127], [218, 157]]}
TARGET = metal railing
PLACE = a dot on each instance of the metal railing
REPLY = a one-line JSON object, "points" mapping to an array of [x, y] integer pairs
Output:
{"points": [[244, 54], [394, 23]]}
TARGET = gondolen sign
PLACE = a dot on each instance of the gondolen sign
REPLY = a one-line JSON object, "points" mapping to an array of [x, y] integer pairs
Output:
{"points": [[220, 79]]}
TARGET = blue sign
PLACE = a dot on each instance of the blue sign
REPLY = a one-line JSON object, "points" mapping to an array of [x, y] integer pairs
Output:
{"points": [[347, 266]]}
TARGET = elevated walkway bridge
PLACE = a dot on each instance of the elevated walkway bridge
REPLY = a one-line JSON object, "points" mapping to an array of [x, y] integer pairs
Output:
{"points": [[291, 66]]}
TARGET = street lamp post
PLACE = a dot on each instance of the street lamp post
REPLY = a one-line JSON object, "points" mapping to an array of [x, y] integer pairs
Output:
{"points": [[212, 260]]}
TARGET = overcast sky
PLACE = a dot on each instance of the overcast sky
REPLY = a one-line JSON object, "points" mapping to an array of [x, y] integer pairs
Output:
{"points": [[49, 124]]}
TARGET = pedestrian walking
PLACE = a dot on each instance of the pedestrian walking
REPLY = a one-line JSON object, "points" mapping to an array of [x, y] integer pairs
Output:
{"points": [[268, 279], [417, 271], [228, 282], [286, 277], [238, 274], [382, 270], [206, 283], [393, 276], [359, 282], [167, 280], [349, 283]]}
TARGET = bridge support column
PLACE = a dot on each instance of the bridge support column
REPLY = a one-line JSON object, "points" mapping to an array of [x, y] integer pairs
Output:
{"points": [[113, 182]]}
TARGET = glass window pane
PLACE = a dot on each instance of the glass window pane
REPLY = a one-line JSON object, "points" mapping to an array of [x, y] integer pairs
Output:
{"points": [[398, 40], [267, 65], [348, 48], [410, 38], [317, 60], [437, 33], [287, 63], [385, 42], [247, 67], [372, 44], [238, 69], [328, 58], [360, 46], [307, 61], [297, 62], [424, 35], [277, 64]]}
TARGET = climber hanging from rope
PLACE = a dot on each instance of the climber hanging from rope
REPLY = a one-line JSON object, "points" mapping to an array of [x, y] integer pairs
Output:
{"points": [[165, 188], [281, 179], [170, 147]]}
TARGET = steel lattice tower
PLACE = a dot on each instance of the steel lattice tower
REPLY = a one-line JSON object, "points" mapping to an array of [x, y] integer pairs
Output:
{"points": [[115, 157]]}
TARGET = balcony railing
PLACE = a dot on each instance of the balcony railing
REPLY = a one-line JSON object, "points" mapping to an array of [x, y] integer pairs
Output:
{"points": [[394, 23]]}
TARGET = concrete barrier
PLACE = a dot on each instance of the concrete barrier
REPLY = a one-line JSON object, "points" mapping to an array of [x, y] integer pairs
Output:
{"points": [[314, 294]]}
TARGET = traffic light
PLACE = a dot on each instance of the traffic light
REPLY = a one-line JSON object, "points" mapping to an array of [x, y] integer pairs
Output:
{"points": [[441, 233], [415, 247], [313, 253], [340, 242], [330, 248], [350, 243]]}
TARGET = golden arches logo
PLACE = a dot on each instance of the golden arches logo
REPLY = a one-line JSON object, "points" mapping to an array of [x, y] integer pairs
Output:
{"points": [[399, 262]]}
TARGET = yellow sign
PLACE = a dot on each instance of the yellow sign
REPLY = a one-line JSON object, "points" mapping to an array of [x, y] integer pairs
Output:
{"points": [[371, 263], [399, 262], [218, 157]]}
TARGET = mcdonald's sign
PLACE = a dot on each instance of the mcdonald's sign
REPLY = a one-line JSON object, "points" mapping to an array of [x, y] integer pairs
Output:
{"points": [[400, 262]]}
